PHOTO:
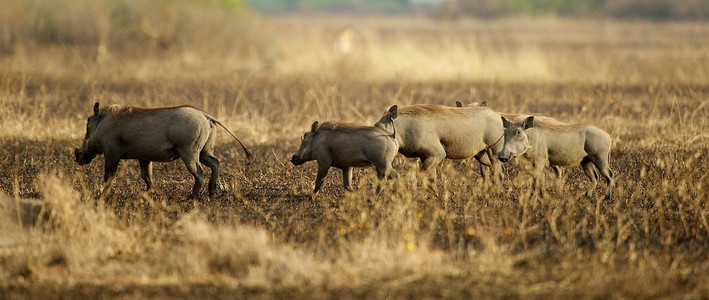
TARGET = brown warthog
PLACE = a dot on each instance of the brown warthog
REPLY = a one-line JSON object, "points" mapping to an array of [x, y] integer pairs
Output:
{"points": [[435, 132], [345, 146], [555, 144], [152, 134]]}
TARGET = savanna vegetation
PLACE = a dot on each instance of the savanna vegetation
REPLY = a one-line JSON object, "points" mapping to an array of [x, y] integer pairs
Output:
{"points": [[269, 78]]}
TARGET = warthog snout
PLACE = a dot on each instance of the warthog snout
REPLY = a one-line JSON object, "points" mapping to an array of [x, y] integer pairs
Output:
{"points": [[296, 160], [80, 157], [504, 156]]}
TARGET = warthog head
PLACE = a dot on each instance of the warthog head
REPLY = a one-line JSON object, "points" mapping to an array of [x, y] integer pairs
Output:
{"points": [[460, 104], [90, 148], [387, 120], [516, 139], [304, 153]]}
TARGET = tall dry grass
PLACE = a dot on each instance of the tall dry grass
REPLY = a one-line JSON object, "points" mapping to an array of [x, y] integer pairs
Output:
{"points": [[644, 83]]}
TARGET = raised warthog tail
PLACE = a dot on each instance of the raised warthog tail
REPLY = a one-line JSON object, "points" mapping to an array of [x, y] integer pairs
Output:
{"points": [[246, 150]]}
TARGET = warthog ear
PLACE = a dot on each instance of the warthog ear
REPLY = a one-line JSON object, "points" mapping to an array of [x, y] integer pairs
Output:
{"points": [[394, 111], [458, 104], [96, 109], [484, 103], [314, 127], [528, 122], [505, 122]]}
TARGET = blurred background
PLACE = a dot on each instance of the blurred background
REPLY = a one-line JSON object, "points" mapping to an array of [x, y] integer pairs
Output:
{"points": [[167, 23], [645, 9]]}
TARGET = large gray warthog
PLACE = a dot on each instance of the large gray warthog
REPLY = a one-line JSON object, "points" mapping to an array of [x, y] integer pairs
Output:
{"points": [[434, 132], [345, 146], [520, 118], [152, 134], [554, 144]]}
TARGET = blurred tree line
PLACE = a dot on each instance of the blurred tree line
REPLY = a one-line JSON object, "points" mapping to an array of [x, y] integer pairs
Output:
{"points": [[134, 25], [147, 25], [635, 9]]}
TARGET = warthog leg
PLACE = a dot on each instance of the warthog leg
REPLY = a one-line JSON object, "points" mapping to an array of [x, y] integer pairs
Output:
{"points": [[146, 172], [538, 177], [488, 158], [382, 173], [392, 174], [484, 166], [591, 173], [106, 188], [347, 178], [192, 163], [611, 182], [497, 175], [322, 172], [558, 180], [601, 164], [429, 164], [110, 166], [212, 162]]}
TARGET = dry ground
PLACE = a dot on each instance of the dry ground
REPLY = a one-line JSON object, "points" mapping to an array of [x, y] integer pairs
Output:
{"points": [[646, 84]]}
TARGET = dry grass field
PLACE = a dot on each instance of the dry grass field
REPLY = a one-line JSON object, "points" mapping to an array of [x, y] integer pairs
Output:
{"points": [[261, 235]]}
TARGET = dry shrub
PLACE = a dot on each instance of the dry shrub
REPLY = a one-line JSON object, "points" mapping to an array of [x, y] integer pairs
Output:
{"points": [[240, 252], [84, 236]]}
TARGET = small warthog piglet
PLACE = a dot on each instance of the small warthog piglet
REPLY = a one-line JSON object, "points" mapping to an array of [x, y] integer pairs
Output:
{"points": [[345, 146]]}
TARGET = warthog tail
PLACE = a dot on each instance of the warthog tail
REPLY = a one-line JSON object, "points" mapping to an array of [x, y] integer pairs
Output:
{"points": [[248, 153]]}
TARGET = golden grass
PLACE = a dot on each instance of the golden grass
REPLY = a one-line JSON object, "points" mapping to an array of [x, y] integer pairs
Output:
{"points": [[644, 83]]}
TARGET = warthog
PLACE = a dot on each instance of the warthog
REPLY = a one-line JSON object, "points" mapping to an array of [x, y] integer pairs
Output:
{"points": [[554, 144], [513, 117], [434, 132], [520, 118], [345, 146], [152, 134], [460, 104]]}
